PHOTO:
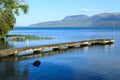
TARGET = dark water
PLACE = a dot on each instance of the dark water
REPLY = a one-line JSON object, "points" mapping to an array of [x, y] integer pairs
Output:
{"points": [[87, 63]]}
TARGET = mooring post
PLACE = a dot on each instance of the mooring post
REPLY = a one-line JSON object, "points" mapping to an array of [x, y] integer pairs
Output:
{"points": [[27, 42]]}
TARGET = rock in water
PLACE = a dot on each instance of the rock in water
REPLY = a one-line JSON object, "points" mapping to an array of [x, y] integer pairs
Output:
{"points": [[37, 63]]}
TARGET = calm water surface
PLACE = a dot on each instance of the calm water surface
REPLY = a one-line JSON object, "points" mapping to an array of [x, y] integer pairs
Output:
{"points": [[88, 63]]}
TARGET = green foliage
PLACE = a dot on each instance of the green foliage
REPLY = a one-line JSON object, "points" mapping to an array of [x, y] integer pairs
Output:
{"points": [[5, 45], [32, 37], [28, 37], [8, 10]]}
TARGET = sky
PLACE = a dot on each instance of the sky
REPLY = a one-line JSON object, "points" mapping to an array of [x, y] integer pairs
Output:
{"points": [[52, 10]]}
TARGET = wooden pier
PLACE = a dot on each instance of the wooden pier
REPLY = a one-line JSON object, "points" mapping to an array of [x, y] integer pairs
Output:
{"points": [[54, 47], [28, 56]]}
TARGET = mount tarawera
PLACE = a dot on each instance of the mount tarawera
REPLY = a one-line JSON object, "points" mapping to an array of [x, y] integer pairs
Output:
{"points": [[98, 20]]}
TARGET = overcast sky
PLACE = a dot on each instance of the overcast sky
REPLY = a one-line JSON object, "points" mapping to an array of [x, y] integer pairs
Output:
{"points": [[50, 10]]}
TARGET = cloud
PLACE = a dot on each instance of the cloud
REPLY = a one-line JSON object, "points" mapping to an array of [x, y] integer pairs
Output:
{"points": [[85, 10], [90, 10]]}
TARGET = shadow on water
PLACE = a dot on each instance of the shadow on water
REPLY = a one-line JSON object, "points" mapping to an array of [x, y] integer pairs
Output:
{"points": [[11, 71], [5, 45], [31, 55]]}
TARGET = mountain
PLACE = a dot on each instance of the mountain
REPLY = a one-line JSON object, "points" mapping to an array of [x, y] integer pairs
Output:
{"points": [[98, 20], [76, 17]]}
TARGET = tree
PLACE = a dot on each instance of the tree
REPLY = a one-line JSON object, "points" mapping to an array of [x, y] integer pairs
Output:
{"points": [[8, 10]]}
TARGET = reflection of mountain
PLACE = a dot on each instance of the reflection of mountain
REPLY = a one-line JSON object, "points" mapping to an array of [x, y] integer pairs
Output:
{"points": [[99, 20], [5, 45]]}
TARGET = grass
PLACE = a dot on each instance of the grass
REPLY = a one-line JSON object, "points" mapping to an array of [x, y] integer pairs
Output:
{"points": [[28, 37]]}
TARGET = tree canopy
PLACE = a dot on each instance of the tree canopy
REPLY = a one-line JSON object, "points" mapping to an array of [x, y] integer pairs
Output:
{"points": [[8, 10]]}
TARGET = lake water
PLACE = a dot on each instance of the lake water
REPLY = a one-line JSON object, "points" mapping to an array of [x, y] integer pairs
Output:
{"points": [[87, 63]]}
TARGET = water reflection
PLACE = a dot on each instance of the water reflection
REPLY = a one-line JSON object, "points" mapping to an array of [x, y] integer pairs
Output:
{"points": [[11, 71], [71, 67], [5, 44]]}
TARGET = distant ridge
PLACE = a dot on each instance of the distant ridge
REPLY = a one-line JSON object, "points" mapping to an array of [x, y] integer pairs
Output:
{"points": [[98, 20]]}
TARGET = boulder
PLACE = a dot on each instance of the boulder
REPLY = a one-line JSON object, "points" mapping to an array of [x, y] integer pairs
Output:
{"points": [[37, 63]]}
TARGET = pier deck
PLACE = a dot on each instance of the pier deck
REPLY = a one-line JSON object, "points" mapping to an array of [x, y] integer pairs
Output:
{"points": [[54, 47]]}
